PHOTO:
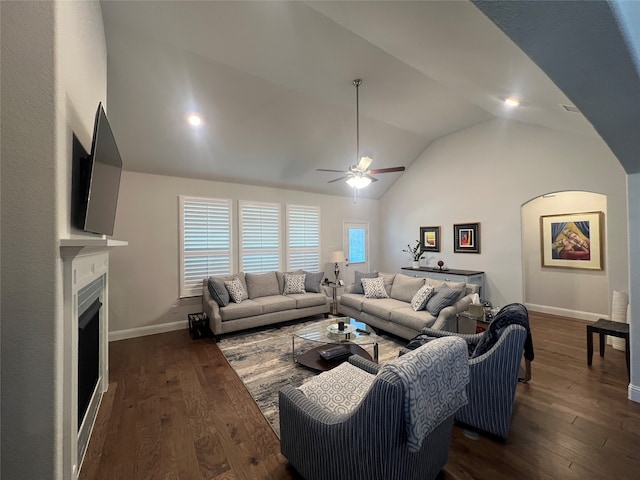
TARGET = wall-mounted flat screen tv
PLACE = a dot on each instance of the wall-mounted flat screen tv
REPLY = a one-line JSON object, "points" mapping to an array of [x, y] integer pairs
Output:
{"points": [[103, 178]]}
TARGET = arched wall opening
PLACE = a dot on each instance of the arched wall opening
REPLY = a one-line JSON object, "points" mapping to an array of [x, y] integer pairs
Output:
{"points": [[570, 292]]}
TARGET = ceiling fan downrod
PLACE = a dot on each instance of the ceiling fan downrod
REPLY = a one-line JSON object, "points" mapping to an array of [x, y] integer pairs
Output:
{"points": [[356, 83]]}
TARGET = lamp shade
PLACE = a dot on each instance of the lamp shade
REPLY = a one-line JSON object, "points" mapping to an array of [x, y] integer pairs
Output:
{"points": [[337, 257]]}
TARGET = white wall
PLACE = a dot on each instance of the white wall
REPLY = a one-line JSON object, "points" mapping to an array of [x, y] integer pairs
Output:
{"points": [[46, 49], [634, 284], [485, 174], [554, 290], [145, 275]]}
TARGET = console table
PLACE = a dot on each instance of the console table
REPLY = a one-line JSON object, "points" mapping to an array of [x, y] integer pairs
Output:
{"points": [[467, 276]]}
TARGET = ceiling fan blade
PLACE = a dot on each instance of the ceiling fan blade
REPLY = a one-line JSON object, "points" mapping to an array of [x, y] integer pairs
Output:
{"points": [[338, 179], [363, 164], [329, 170], [387, 170]]}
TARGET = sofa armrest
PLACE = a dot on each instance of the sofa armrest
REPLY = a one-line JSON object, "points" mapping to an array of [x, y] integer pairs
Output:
{"points": [[364, 364], [446, 319], [471, 339], [463, 304], [349, 288], [212, 309]]}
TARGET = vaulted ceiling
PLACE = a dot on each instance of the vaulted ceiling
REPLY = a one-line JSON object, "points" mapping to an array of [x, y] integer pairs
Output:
{"points": [[273, 83]]}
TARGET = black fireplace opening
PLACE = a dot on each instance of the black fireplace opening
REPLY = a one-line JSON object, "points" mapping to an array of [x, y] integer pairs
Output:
{"points": [[88, 356]]}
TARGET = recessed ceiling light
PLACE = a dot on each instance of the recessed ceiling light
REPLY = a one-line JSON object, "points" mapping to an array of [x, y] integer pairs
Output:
{"points": [[512, 102], [194, 120]]}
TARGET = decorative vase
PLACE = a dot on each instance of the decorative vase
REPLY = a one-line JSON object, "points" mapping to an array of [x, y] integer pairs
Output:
{"points": [[416, 264]]}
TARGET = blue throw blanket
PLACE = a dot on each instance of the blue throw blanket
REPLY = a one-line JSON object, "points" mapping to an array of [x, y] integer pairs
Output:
{"points": [[434, 379], [512, 314]]}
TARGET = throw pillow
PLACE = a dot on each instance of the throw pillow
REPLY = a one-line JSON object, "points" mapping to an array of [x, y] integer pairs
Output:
{"points": [[236, 290], [280, 277], [357, 281], [374, 288], [218, 291], [312, 281], [442, 297], [420, 299], [340, 389], [294, 283]]}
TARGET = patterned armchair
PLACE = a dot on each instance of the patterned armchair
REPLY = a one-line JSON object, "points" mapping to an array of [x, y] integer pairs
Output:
{"points": [[393, 430], [495, 360]]}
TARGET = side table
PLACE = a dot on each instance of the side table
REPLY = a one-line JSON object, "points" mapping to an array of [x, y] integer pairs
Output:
{"points": [[333, 308], [607, 327]]}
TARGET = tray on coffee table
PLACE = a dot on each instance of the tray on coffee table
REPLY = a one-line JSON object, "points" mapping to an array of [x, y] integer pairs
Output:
{"points": [[322, 332]]}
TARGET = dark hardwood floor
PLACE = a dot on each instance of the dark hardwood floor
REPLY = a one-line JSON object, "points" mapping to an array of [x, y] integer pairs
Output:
{"points": [[176, 410]]}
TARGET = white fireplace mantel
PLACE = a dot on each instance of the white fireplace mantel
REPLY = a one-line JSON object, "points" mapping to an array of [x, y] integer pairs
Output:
{"points": [[84, 260], [71, 247]]}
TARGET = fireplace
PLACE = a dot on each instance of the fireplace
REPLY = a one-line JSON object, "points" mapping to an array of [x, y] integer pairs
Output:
{"points": [[85, 342], [88, 356]]}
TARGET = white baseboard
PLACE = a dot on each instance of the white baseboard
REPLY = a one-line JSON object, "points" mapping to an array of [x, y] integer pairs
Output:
{"points": [[565, 312], [149, 330], [634, 393]]}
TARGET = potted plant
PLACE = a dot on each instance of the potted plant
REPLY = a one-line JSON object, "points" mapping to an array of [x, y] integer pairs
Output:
{"points": [[416, 253]]}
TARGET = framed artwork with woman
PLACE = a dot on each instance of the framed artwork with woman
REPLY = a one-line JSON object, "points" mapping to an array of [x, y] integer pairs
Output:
{"points": [[572, 240]]}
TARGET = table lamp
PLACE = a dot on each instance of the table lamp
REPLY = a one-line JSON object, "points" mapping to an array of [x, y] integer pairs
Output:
{"points": [[337, 257]]}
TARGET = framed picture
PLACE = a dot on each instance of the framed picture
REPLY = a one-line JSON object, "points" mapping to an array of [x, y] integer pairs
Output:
{"points": [[572, 240], [466, 238], [430, 239]]}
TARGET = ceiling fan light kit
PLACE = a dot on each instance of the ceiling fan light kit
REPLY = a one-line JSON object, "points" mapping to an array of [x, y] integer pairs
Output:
{"points": [[359, 176], [359, 182]]}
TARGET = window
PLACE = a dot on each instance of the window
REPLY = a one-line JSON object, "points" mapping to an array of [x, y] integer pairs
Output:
{"points": [[205, 241], [259, 237], [357, 247], [303, 238]]}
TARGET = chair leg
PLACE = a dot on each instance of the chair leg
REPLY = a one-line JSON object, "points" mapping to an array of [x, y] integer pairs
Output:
{"points": [[525, 376], [603, 339], [627, 353], [589, 345]]}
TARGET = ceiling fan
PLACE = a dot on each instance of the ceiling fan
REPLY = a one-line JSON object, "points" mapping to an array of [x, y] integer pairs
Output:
{"points": [[359, 176]]}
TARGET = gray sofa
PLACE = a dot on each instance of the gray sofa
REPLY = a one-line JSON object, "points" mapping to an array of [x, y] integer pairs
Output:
{"points": [[395, 315], [265, 304]]}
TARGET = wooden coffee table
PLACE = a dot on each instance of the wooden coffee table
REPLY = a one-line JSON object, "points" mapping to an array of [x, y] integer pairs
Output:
{"points": [[324, 336]]}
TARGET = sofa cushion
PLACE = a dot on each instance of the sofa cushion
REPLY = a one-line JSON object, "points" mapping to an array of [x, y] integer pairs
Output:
{"points": [[261, 284], [280, 277], [340, 389], [409, 318], [247, 308], [388, 281], [218, 291], [433, 282], [382, 307], [357, 281], [420, 299], [443, 296], [293, 283], [236, 291], [312, 281], [374, 288], [352, 300], [276, 303], [304, 300], [405, 287]]}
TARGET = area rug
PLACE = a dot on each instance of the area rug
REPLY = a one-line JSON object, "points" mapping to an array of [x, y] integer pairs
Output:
{"points": [[263, 360]]}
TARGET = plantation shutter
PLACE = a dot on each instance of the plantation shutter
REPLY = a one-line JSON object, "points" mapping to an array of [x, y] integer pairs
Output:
{"points": [[303, 238], [205, 241], [259, 237]]}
